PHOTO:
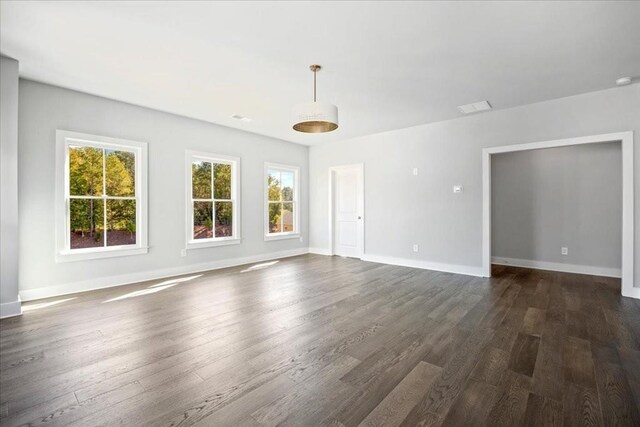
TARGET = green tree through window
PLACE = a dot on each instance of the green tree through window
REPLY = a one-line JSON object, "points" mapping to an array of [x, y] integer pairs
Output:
{"points": [[102, 205], [212, 199], [281, 205]]}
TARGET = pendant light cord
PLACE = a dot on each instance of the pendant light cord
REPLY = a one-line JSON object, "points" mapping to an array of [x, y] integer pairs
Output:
{"points": [[315, 72]]}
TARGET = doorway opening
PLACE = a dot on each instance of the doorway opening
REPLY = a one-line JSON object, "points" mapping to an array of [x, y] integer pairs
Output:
{"points": [[626, 141], [346, 210]]}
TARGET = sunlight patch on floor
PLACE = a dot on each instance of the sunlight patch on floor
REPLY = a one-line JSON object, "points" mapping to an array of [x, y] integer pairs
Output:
{"points": [[260, 266], [32, 307], [141, 293], [175, 281]]}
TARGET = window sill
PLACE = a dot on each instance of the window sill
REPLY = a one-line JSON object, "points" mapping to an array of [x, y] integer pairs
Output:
{"points": [[281, 236], [89, 254], [195, 244]]}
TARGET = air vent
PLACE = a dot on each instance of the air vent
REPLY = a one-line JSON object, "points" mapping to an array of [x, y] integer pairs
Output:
{"points": [[476, 107], [241, 118]]}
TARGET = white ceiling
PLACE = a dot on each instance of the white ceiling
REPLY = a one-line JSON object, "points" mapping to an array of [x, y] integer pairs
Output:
{"points": [[387, 65]]}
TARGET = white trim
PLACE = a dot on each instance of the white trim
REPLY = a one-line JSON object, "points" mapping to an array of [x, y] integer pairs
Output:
{"points": [[332, 171], [557, 266], [486, 213], [126, 279], [234, 162], [467, 270], [281, 236], [210, 243], [63, 253], [11, 309], [107, 252], [320, 251], [626, 139], [296, 202], [628, 214]]}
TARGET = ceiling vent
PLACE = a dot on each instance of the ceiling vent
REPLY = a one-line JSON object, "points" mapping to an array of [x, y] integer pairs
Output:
{"points": [[241, 118], [476, 107]]}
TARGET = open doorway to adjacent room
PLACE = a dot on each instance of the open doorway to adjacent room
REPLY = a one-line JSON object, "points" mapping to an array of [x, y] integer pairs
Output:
{"points": [[564, 205]]}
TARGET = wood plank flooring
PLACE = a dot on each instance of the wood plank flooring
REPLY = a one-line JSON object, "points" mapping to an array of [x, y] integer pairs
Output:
{"points": [[314, 340]]}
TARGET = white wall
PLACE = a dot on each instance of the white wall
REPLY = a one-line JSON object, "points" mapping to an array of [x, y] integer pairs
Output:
{"points": [[9, 300], [44, 108], [402, 209], [546, 199]]}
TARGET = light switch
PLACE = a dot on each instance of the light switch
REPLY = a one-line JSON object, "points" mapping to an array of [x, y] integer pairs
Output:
{"points": [[415, 171], [457, 188]]}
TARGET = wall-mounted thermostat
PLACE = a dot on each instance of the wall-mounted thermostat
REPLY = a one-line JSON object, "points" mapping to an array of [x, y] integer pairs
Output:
{"points": [[457, 188]]}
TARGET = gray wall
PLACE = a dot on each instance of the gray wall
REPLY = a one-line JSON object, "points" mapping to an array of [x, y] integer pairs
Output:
{"points": [[571, 196], [44, 108], [402, 209], [9, 304]]}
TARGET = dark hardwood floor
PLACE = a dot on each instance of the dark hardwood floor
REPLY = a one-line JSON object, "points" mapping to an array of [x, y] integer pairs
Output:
{"points": [[315, 340]]}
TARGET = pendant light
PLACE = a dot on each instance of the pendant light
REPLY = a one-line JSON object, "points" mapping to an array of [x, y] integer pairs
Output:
{"points": [[315, 117]]}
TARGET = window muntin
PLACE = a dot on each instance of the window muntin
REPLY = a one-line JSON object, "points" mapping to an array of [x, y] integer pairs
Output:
{"points": [[281, 201], [100, 188], [212, 209]]}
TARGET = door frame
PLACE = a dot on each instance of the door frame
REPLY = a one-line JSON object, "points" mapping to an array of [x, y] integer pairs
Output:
{"points": [[626, 140], [332, 172]]}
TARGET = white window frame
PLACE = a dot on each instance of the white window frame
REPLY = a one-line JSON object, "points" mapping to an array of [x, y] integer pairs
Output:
{"points": [[63, 252], [234, 162], [296, 202]]}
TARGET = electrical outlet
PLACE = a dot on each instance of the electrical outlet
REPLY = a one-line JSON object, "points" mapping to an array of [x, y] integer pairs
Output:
{"points": [[301, 239], [415, 171], [183, 252], [415, 248], [564, 251]]}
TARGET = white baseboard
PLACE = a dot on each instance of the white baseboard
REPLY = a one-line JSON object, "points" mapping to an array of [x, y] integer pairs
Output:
{"points": [[557, 266], [425, 265], [633, 292], [319, 251], [126, 279], [10, 309]]}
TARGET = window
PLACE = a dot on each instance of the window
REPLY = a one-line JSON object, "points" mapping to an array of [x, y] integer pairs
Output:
{"points": [[101, 197], [281, 200], [212, 208]]}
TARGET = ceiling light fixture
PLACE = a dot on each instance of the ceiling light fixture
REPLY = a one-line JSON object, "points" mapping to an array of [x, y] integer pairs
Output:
{"points": [[241, 118], [475, 107], [623, 81], [315, 117]]}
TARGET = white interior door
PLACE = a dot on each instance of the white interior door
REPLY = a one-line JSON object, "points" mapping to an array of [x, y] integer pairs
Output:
{"points": [[348, 211]]}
